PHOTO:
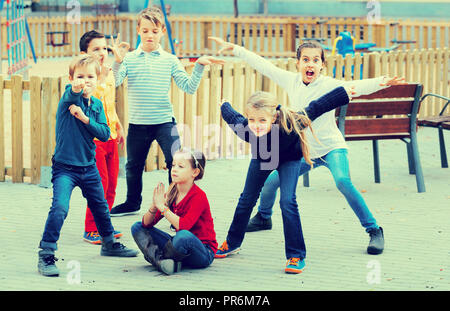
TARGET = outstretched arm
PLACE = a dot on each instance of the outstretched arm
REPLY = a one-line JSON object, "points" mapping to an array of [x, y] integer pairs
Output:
{"points": [[369, 86], [279, 76], [336, 98], [236, 121]]}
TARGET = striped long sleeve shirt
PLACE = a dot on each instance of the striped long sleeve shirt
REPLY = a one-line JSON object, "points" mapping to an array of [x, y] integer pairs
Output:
{"points": [[149, 79]]}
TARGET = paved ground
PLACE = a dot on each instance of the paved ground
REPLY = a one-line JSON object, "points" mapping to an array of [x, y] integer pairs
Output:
{"points": [[417, 232]]}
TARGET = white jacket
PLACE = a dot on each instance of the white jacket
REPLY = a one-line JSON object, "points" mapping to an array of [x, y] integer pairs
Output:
{"points": [[300, 95]]}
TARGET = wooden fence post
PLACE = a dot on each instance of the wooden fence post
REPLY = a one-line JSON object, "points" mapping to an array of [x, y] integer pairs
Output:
{"points": [[35, 129], [214, 113], [202, 111], [189, 116], [374, 65], [227, 90], [2, 133], [122, 113], [50, 100], [16, 128]]}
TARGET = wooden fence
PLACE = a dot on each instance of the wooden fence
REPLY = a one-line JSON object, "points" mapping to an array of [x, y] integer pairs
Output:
{"points": [[269, 36], [27, 136]]}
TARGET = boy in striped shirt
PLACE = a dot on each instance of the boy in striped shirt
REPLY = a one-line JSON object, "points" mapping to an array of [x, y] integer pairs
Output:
{"points": [[150, 70]]}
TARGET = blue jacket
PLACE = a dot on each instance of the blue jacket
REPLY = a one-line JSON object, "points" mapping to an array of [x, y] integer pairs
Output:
{"points": [[278, 146], [74, 139]]}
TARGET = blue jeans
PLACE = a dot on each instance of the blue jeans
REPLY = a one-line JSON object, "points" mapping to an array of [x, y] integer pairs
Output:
{"points": [[337, 162], [65, 178], [139, 140], [293, 236], [199, 255]]}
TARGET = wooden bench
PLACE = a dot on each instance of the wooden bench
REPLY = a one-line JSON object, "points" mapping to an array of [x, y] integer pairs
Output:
{"points": [[441, 122], [390, 113]]}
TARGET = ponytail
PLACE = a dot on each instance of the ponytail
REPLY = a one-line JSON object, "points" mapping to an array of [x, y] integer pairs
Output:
{"points": [[289, 121]]}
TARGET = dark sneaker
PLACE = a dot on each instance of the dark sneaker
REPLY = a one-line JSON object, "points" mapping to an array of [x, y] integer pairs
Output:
{"points": [[225, 251], [144, 241], [118, 250], [258, 223], [376, 244], [46, 263], [295, 266], [123, 210]]}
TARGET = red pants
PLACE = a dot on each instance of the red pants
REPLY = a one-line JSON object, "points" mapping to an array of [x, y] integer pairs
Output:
{"points": [[107, 158]]}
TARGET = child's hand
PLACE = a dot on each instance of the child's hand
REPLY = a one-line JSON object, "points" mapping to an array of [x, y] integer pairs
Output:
{"points": [[120, 137], [208, 60], [78, 85], [158, 197], [225, 46], [350, 91], [388, 81], [78, 113], [119, 49], [104, 72]]}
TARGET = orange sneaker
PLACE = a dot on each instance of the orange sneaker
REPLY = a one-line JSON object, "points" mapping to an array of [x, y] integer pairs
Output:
{"points": [[295, 265], [92, 237], [224, 250]]}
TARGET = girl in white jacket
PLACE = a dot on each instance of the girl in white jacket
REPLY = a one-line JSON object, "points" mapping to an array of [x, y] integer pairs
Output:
{"points": [[331, 149]]}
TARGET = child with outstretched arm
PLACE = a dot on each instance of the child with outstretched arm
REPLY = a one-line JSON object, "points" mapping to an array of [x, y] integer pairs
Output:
{"points": [[330, 149], [150, 70], [278, 142]]}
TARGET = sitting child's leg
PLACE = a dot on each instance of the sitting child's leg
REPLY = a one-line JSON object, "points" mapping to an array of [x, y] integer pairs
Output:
{"points": [[146, 236], [151, 242], [190, 250]]}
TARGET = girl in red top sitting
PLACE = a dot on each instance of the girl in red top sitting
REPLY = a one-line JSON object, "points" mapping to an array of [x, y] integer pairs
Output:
{"points": [[186, 207]]}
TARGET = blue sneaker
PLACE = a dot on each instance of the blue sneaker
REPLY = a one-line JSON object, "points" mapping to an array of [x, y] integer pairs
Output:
{"points": [[92, 237], [295, 265], [224, 251]]}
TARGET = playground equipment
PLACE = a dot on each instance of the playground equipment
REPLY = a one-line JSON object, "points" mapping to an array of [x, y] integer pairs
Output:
{"points": [[320, 39], [107, 8], [17, 32], [396, 43], [345, 44], [52, 35]]}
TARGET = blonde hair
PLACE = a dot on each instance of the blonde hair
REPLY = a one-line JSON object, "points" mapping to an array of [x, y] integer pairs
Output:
{"points": [[288, 120], [84, 60], [198, 161], [152, 14]]}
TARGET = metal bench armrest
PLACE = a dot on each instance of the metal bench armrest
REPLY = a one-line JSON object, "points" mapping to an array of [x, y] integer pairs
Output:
{"points": [[438, 96]]}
